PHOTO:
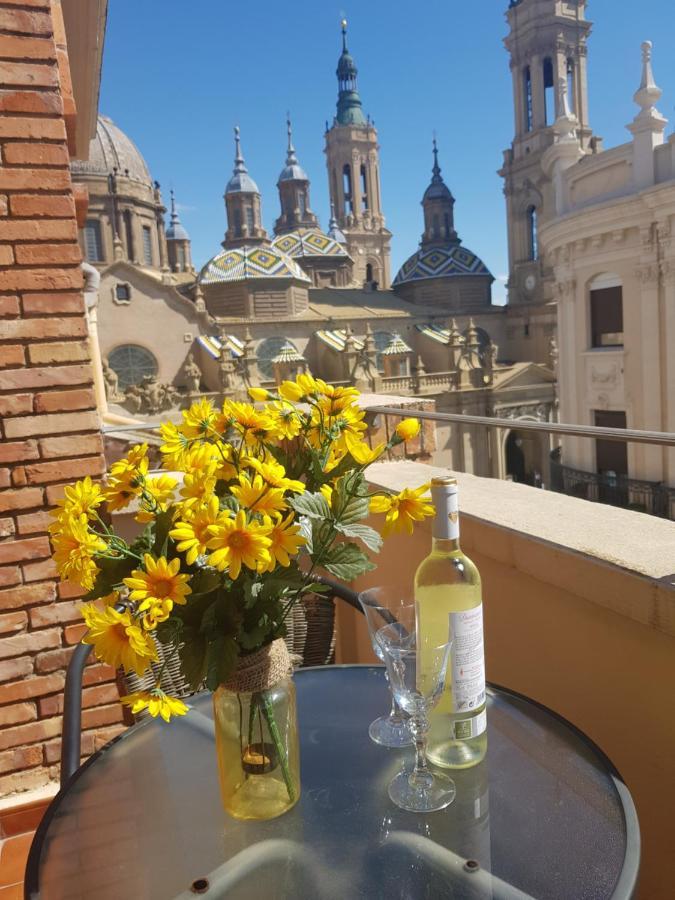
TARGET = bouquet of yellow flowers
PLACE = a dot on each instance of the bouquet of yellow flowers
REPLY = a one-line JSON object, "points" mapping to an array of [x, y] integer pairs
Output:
{"points": [[269, 495]]}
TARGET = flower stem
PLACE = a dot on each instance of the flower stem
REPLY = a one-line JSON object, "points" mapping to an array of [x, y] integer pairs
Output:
{"points": [[268, 711]]}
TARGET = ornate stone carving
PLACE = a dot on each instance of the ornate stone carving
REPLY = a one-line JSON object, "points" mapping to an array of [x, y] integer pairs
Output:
{"points": [[193, 374], [111, 383], [151, 396], [608, 377], [648, 274]]}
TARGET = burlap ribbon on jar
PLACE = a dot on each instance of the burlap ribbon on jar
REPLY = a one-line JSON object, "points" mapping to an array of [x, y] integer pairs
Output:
{"points": [[261, 670]]}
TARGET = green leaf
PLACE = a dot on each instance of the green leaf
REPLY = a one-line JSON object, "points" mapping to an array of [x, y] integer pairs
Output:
{"points": [[364, 533], [193, 658], [350, 501], [347, 562], [163, 523], [221, 659], [229, 502], [312, 505], [169, 632], [306, 530], [112, 573], [203, 582]]}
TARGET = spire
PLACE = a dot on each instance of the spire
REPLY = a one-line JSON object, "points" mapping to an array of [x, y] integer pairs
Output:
{"points": [[436, 169], [175, 231], [291, 158], [349, 109], [241, 181], [293, 185], [438, 203], [334, 228], [292, 171], [648, 125], [648, 92]]}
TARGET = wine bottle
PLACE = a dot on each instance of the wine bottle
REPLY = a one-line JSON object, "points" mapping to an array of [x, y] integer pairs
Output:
{"points": [[449, 607]]}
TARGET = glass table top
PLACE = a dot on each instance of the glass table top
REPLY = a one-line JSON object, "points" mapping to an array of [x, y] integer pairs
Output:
{"points": [[543, 816]]}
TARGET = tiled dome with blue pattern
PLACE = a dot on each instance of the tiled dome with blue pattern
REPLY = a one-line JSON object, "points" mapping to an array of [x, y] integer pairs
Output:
{"points": [[440, 262], [247, 263], [304, 242]]}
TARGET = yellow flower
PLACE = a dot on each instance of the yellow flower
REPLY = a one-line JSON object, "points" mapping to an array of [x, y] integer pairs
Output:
{"points": [[126, 478], [192, 534], [287, 423], [360, 451], [117, 639], [160, 490], [402, 509], [258, 395], [80, 498], [74, 548], [274, 474], [286, 541], [156, 702], [158, 588], [257, 496], [349, 423], [408, 429], [200, 419], [198, 486], [174, 446], [327, 492], [251, 423], [304, 386], [235, 541]]}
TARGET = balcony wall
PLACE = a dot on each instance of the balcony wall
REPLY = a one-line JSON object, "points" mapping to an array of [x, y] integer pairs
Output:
{"points": [[579, 615]]}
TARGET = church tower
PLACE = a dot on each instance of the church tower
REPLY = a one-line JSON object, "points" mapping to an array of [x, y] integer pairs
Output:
{"points": [[352, 157], [438, 205], [547, 45], [178, 243], [293, 185], [242, 202]]}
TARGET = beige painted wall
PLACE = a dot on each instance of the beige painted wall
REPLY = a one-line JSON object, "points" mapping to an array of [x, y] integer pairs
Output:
{"points": [[590, 639]]}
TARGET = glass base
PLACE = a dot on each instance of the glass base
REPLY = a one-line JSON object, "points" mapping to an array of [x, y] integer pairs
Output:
{"points": [[390, 732], [438, 793]]}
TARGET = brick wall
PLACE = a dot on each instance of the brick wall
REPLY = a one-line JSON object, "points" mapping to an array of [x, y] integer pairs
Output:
{"points": [[49, 427]]}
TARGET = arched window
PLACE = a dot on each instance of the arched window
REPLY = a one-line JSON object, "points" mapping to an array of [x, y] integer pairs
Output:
{"points": [[147, 245], [448, 229], [237, 222], [527, 95], [532, 242], [129, 234], [93, 246], [132, 363], [369, 271], [302, 204], [549, 92], [266, 351], [571, 93], [250, 221], [436, 227], [347, 188], [181, 257], [364, 189], [606, 311]]}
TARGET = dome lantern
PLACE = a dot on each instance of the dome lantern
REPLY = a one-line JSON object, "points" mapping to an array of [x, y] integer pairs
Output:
{"points": [[438, 204], [242, 201], [349, 108], [293, 186]]}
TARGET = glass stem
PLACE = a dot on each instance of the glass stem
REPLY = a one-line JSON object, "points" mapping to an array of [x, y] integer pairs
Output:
{"points": [[395, 714], [420, 776]]}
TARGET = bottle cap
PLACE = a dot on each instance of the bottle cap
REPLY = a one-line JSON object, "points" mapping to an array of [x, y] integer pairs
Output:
{"points": [[444, 480]]}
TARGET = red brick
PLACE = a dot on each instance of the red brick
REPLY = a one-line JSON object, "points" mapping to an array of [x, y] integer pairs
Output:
{"points": [[49, 254], [30, 734], [11, 355], [17, 713], [9, 306], [36, 230], [36, 154], [41, 473], [17, 405], [7, 527], [55, 614], [18, 476], [21, 644], [38, 4], [28, 75], [15, 668], [27, 595], [95, 696], [26, 48], [53, 748], [28, 548], [105, 735], [77, 445], [33, 179], [41, 279], [33, 523], [6, 258], [42, 204], [97, 673], [49, 376], [69, 591], [73, 351], [38, 329], [101, 715], [40, 686], [39, 304], [14, 451], [28, 426], [39, 571], [4, 477], [32, 129], [11, 623], [53, 660], [73, 634], [20, 499], [60, 401], [36, 102], [3, 205], [19, 21], [27, 780], [9, 575], [22, 758]]}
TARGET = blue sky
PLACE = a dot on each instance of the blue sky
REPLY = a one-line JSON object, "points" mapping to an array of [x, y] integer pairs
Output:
{"points": [[177, 77]]}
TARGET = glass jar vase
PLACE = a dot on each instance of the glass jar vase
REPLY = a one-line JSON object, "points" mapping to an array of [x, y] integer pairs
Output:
{"points": [[258, 750]]}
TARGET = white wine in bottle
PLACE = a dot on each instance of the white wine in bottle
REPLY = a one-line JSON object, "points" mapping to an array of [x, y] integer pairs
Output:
{"points": [[449, 607]]}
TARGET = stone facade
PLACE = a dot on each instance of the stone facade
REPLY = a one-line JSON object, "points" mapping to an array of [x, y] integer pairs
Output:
{"points": [[49, 431]]}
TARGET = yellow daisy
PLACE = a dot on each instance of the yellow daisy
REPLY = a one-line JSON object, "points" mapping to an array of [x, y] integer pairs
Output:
{"points": [[158, 587], [74, 548], [402, 509], [198, 486], [258, 395], [83, 497], [257, 496], [174, 446], [156, 702], [360, 451], [274, 474], [303, 387], [117, 639], [234, 542], [157, 493], [408, 429], [200, 419], [192, 533], [286, 541], [286, 420], [251, 423]]}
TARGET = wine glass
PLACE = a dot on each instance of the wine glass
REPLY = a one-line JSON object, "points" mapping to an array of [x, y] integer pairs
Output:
{"points": [[416, 666], [391, 730]]}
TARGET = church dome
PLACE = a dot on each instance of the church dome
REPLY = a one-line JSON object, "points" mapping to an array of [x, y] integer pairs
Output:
{"points": [[304, 242], [249, 262], [440, 262], [112, 149]]}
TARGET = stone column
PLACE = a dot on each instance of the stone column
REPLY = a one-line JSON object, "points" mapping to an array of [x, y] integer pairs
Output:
{"points": [[648, 401]]}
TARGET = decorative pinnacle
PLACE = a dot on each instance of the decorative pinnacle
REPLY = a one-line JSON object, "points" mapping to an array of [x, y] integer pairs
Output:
{"points": [[343, 25], [239, 164], [174, 211], [291, 158], [648, 92], [436, 169]]}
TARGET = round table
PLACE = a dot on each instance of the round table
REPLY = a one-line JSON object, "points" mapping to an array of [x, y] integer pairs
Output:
{"points": [[544, 816]]}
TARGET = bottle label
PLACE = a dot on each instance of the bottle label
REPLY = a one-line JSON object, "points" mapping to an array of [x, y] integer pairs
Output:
{"points": [[467, 659], [464, 729], [446, 520]]}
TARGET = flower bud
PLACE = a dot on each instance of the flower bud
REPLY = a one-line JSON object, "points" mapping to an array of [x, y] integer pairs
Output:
{"points": [[408, 429]]}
